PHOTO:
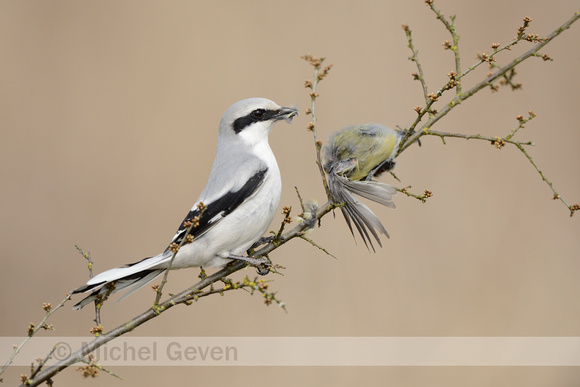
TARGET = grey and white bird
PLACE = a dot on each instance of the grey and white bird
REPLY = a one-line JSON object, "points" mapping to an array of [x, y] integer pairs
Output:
{"points": [[240, 197]]}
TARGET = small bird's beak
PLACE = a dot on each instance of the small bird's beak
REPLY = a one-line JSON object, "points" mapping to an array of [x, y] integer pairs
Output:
{"points": [[286, 113]]}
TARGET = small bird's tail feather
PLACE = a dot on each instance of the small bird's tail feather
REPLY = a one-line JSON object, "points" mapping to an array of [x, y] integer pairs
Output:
{"points": [[357, 213]]}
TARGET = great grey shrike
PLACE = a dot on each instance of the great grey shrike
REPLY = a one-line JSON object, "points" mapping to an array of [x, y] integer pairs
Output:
{"points": [[240, 197]]}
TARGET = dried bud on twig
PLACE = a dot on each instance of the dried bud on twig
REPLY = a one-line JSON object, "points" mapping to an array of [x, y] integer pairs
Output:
{"points": [[432, 96], [174, 247], [498, 143], [313, 60], [324, 72], [573, 208]]}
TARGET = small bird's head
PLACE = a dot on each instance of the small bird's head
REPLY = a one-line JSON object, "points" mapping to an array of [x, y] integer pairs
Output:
{"points": [[252, 118]]}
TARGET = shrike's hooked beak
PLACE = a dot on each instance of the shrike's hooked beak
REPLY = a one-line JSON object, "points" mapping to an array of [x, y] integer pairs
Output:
{"points": [[286, 113]]}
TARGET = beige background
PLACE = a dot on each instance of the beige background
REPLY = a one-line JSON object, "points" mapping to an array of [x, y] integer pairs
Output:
{"points": [[109, 114]]}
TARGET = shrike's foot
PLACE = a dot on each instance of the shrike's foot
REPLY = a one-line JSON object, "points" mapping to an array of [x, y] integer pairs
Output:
{"points": [[262, 265]]}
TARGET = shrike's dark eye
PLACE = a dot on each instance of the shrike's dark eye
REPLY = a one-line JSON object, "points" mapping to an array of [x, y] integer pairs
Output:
{"points": [[258, 113]]}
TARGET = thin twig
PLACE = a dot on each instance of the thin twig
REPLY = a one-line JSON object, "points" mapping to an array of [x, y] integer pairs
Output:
{"points": [[300, 199], [415, 58], [500, 142], [521, 122], [316, 245], [486, 82], [544, 178], [319, 75], [42, 362], [287, 219], [93, 365], [490, 58], [454, 36], [442, 135], [423, 198], [98, 301], [505, 72], [42, 325], [87, 256]]}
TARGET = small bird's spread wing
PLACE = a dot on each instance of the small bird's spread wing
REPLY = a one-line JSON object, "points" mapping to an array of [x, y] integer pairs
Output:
{"points": [[373, 190], [220, 207], [358, 213]]}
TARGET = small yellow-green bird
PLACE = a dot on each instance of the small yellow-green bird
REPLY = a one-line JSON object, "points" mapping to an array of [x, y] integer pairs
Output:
{"points": [[353, 157]]}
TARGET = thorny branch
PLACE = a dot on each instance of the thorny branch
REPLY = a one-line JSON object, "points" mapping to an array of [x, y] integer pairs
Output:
{"points": [[423, 198], [32, 328], [197, 291], [92, 368], [415, 58], [319, 75], [100, 300], [506, 73], [454, 36], [191, 294]]}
